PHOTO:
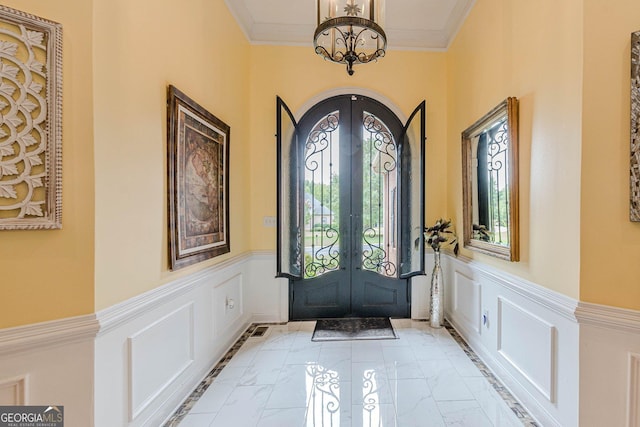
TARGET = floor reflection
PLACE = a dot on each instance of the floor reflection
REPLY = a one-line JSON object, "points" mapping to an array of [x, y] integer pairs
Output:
{"points": [[323, 395], [370, 399], [426, 378]]}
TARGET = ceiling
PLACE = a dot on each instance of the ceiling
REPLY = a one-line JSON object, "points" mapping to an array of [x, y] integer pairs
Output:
{"points": [[409, 24]]}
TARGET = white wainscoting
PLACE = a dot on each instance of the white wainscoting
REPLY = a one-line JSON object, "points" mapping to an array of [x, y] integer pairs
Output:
{"points": [[134, 363], [467, 301], [269, 297], [609, 366], [49, 373], [13, 391], [526, 334], [634, 390], [158, 355], [534, 356], [153, 350]]}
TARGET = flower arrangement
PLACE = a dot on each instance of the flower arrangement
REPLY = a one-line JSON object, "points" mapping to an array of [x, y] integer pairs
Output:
{"points": [[435, 235]]}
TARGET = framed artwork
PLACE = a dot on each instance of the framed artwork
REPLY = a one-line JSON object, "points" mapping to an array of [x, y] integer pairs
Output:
{"points": [[31, 125], [634, 209], [198, 173]]}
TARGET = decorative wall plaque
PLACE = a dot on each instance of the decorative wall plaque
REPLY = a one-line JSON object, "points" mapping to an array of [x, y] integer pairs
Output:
{"points": [[30, 121], [634, 211], [198, 172]]}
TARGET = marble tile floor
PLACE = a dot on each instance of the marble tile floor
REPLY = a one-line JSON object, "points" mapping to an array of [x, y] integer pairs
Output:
{"points": [[428, 377]]}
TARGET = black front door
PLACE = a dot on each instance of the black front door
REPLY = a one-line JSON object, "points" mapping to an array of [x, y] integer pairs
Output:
{"points": [[349, 186]]}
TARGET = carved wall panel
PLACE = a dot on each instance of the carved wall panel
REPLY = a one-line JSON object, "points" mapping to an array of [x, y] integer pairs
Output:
{"points": [[30, 121], [634, 211]]}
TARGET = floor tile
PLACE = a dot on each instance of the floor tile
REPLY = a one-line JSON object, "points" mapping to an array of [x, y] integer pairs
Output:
{"points": [[243, 407], [197, 420], [329, 405], [213, 399], [366, 351], [302, 355], [463, 414], [374, 415], [265, 369], [491, 403], [292, 388], [444, 381], [464, 366], [370, 384], [282, 417], [427, 377]]}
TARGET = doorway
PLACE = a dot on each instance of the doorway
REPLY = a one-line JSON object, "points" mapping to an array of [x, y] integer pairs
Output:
{"points": [[350, 208]]}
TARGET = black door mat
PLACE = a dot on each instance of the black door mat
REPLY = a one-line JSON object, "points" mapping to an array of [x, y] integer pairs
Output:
{"points": [[370, 328]]}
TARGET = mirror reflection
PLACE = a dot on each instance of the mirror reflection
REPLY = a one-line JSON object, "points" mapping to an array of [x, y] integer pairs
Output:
{"points": [[491, 185]]}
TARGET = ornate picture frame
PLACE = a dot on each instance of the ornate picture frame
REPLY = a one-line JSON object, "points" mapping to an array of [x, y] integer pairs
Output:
{"points": [[31, 129], [198, 181], [490, 183], [634, 207]]}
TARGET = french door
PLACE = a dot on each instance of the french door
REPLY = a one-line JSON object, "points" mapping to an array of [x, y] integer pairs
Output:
{"points": [[350, 208]]}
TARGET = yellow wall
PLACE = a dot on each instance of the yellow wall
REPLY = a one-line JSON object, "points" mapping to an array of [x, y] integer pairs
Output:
{"points": [[533, 51], [567, 62], [610, 242], [297, 75], [139, 48], [47, 275]]}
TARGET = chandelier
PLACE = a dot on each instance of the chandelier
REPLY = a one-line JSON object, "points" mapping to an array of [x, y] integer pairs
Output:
{"points": [[349, 31]]}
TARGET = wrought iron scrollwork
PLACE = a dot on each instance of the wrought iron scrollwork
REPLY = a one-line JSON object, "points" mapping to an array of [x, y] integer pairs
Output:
{"points": [[319, 140], [382, 140], [381, 156], [497, 147], [322, 256], [374, 257], [497, 151], [325, 258]]}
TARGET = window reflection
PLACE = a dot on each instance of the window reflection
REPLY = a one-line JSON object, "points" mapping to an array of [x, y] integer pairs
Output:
{"points": [[490, 179], [370, 399], [323, 395]]}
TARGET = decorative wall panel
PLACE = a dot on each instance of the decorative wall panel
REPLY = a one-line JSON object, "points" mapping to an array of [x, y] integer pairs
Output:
{"points": [[30, 121], [534, 357], [158, 355], [227, 304], [466, 300], [13, 391], [634, 390]]}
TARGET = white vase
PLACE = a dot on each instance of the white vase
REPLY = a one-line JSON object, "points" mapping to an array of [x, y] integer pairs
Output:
{"points": [[436, 306]]}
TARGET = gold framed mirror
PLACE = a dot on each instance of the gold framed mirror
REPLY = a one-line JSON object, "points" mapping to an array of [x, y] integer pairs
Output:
{"points": [[490, 183]]}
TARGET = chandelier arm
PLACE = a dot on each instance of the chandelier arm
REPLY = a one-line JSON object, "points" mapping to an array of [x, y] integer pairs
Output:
{"points": [[337, 57]]}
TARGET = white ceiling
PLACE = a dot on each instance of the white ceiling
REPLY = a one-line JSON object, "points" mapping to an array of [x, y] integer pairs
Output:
{"points": [[409, 24]]}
